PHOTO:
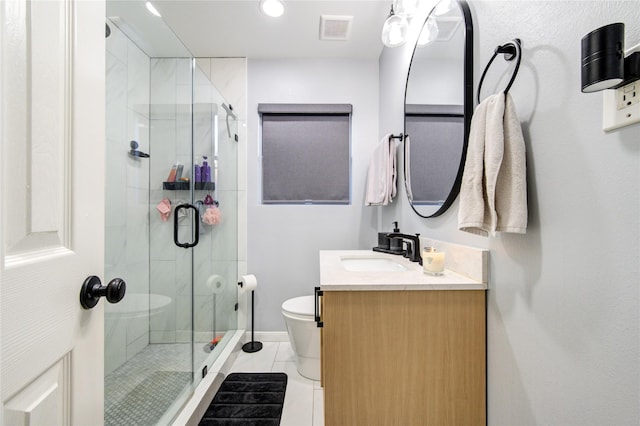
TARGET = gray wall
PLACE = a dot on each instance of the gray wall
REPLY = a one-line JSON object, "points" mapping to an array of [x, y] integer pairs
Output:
{"points": [[563, 303], [283, 240]]}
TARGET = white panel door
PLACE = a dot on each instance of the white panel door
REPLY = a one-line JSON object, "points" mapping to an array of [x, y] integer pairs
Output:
{"points": [[52, 210]]}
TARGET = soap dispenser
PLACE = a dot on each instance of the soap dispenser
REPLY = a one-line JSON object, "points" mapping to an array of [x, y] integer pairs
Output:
{"points": [[395, 244]]}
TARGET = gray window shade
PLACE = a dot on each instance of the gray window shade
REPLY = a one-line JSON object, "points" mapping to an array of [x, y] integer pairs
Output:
{"points": [[436, 144], [305, 153]]}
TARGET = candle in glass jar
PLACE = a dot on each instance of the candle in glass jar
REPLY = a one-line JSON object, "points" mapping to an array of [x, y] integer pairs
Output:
{"points": [[432, 261]]}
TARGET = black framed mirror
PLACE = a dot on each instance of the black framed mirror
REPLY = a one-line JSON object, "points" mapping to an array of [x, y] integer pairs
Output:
{"points": [[438, 108]]}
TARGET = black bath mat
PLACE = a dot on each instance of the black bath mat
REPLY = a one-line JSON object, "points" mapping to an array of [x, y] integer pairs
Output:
{"points": [[248, 399]]}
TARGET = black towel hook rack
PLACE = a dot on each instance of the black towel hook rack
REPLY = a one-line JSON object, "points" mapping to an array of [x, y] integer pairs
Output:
{"points": [[511, 50]]}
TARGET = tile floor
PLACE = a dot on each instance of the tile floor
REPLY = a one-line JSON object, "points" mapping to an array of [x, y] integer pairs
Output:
{"points": [[303, 402]]}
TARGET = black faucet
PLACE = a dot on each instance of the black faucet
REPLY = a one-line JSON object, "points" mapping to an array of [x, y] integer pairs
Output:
{"points": [[413, 245]]}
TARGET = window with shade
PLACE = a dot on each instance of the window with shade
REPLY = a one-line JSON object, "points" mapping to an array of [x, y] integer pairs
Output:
{"points": [[306, 153]]}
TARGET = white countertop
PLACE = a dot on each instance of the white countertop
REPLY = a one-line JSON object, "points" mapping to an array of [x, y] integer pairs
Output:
{"points": [[334, 276]]}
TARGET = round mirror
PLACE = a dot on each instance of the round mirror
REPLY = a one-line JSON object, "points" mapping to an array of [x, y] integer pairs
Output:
{"points": [[438, 108]]}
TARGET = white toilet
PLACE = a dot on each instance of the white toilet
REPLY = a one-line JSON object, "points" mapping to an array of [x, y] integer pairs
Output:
{"points": [[304, 334]]}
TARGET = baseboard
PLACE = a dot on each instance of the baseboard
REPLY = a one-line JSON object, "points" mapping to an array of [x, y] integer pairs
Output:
{"points": [[268, 336]]}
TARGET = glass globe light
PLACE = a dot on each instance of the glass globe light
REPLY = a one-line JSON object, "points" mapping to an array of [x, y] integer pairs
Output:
{"points": [[406, 8], [394, 31]]}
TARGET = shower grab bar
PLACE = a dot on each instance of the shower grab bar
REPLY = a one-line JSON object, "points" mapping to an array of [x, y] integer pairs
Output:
{"points": [[175, 226]]}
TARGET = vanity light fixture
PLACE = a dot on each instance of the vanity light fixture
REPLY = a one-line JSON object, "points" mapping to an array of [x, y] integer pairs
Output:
{"points": [[273, 8], [394, 30], [604, 65], [152, 9], [444, 6], [406, 8]]}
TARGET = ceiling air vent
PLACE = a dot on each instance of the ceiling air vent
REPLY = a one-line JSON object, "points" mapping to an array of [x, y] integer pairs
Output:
{"points": [[334, 27], [447, 27]]}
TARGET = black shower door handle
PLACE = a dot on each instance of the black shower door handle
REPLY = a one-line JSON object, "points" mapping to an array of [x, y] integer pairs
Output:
{"points": [[175, 226]]}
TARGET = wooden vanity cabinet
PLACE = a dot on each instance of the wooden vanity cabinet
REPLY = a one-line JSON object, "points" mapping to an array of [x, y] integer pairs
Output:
{"points": [[404, 357]]}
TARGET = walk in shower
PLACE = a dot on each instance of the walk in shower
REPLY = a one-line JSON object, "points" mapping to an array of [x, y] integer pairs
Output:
{"points": [[171, 182]]}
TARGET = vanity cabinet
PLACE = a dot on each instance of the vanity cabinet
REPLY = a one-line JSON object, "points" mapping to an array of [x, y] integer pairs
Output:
{"points": [[406, 358]]}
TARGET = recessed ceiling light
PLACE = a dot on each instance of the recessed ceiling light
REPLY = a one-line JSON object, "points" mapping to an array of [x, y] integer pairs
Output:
{"points": [[272, 8], [152, 9]]}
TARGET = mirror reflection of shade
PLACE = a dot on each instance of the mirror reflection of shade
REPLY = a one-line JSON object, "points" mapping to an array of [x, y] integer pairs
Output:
{"points": [[438, 108]]}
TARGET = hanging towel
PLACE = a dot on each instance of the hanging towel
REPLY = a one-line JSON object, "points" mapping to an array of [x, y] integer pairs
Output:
{"points": [[493, 195], [381, 176], [407, 167], [511, 187]]}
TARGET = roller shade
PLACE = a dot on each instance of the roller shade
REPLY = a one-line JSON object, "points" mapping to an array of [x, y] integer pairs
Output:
{"points": [[306, 155]]}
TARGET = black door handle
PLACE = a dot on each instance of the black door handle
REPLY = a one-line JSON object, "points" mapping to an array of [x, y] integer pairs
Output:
{"points": [[318, 294], [175, 226], [92, 290]]}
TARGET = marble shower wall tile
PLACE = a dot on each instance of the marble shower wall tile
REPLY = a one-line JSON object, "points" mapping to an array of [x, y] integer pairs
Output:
{"points": [[229, 75], [117, 43], [163, 152], [138, 80], [163, 94], [127, 189]]}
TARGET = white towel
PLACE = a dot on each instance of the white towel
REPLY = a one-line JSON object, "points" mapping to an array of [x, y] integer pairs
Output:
{"points": [[511, 187], [381, 176], [493, 194], [407, 167]]}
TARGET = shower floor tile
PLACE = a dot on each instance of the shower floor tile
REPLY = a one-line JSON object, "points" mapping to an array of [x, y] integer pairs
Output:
{"points": [[139, 391]]}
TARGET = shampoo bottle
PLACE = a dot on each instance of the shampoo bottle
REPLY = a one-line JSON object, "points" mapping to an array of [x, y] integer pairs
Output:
{"points": [[197, 172], [172, 173], [206, 170]]}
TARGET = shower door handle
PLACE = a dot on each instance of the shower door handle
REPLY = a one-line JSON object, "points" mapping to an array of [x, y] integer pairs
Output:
{"points": [[92, 290], [175, 226]]}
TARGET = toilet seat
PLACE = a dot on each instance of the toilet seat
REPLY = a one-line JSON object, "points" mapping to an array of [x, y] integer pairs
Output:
{"points": [[300, 306]]}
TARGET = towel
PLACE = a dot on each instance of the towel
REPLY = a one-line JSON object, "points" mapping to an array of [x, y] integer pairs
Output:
{"points": [[493, 194], [381, 176], [164, 208], [407, 167], [511, 187]]}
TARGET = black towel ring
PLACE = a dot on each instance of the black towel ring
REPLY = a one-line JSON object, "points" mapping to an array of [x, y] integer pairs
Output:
{"points": [[511, 50]]}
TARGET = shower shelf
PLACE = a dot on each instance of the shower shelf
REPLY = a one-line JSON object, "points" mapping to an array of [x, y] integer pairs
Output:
{"points": [[182, 186]]}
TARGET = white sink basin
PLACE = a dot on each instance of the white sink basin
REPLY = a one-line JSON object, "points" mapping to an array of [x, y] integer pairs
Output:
{"points": [[371, 264]]}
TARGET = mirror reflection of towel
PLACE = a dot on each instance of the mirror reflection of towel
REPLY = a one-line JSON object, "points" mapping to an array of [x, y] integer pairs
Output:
{"points": [[407, 170], [493, 194]]}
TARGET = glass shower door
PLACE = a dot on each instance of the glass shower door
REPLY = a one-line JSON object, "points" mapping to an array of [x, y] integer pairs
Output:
{"points": [[149, 334], [215, 256]]}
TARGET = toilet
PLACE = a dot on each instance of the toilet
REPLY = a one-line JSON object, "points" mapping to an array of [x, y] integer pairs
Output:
{"points": [[304, 334]]}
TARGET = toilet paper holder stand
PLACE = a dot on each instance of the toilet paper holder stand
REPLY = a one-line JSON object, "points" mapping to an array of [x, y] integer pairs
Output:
{"points": [[252, 346]]}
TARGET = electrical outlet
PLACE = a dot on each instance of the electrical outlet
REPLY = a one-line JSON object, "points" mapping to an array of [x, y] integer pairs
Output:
{"points": [[621, 107], [628, 95]]}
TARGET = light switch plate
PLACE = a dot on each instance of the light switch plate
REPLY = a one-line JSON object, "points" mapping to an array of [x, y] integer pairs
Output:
{"points": [[621, 107]]}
